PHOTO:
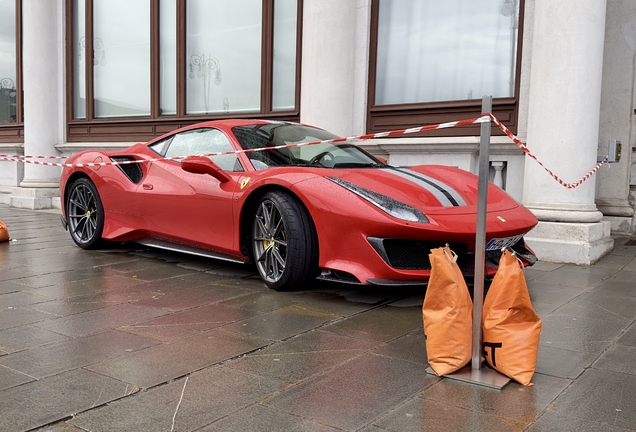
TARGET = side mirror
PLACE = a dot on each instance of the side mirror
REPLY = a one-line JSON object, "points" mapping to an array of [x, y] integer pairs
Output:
{"points": [[381, 159], [203, 165]]}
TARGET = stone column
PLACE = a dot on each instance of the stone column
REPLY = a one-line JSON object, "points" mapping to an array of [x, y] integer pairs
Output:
{"points": [[41, 63], [563, 127], [616, 113], [329, 65]]}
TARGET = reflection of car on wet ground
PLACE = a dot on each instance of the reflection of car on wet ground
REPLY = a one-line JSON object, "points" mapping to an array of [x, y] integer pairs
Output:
{"points": [[327, 210]]}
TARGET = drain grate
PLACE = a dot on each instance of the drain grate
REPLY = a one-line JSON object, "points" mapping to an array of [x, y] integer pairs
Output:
{"points": [[630, 243]]}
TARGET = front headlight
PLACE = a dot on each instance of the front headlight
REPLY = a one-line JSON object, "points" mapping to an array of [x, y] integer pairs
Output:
{"points": [[387, 204]]}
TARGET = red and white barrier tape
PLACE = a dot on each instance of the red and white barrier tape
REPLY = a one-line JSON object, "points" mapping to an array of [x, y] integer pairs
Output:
{"points": [[483, 119], [32, 157], [525, 149]]}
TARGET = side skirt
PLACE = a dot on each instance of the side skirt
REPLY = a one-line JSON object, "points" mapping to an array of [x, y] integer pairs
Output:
{"points": [[176, 247]]}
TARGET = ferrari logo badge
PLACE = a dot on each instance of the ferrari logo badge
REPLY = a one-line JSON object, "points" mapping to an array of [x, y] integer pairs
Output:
{"points": [[501, 219], [244, 182]]}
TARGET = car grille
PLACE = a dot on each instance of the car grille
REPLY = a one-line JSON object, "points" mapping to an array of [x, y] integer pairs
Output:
{"points": [[404, 254]]}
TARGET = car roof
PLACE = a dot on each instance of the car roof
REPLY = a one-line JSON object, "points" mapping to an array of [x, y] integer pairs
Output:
{"points": [[225, 124]]}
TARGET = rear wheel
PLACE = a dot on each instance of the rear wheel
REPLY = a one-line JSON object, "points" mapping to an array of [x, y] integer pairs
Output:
{"points": [[85, 214], [284, 243]]}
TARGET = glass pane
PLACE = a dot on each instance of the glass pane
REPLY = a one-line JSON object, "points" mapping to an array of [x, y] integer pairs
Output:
{"points": [[168, 46], [431, 50], [223, 62], [284, 80], [121, 64], [8, 68], [79, 62]]}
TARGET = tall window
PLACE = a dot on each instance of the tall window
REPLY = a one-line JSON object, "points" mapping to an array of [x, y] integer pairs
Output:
{"points": [[153, 66], [223, 48], [10, 83], [434, 60]]}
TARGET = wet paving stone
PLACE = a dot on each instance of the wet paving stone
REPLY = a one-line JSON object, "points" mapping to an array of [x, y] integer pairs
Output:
{"points": [[380, 325], [266, 301], [514, 402], [18, 299], [601, 396], [26, 337], [188, 322], [579, 333], [75, 353], [559, 422], [193, 402], [617, 288], [355, 393], [556, 295], [184, 297], [601, 305], [317, 341], [292, 367], [165, 362], [98, 300], [258, 418], [624, 275], [12, 378], [563, 363], [100, 320], [38, 403], [10, 318], [411, 347], [618, 358], [575, 277], [10, 287], [629, 337], [116, 336], [283, 323], [426, 415]]}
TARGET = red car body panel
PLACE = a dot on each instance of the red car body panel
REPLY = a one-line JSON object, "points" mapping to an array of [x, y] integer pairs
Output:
{"points": [[198, 210]]}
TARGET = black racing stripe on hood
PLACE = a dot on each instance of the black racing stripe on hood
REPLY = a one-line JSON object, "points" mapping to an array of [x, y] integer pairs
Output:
{"points": [[445, 192]]}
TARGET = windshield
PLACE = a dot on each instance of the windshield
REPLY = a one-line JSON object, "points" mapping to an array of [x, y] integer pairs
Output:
{"points": [[328, 155]]}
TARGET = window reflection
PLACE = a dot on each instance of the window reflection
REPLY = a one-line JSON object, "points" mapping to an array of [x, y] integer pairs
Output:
{"points": [[122, 58], [430, 50], [168, 57], [7, 62], [284, 76], [223, 54]]}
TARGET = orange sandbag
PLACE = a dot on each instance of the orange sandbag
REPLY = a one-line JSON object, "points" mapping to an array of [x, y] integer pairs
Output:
{"points": [[510, 326], [4, 232], [448, 315]]}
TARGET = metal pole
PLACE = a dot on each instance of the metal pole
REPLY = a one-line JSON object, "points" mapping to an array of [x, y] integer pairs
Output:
{"points": [[480, 238]]}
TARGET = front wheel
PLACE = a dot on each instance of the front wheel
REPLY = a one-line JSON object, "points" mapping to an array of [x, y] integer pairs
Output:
{"points": [[85, 214], [284, 242]]}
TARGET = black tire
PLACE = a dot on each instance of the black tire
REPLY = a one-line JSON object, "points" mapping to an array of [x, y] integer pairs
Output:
{"points": [[284, 242], [85, 214]]}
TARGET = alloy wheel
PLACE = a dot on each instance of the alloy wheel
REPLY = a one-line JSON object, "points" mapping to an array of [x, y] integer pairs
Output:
{"points": [[270, 241]]}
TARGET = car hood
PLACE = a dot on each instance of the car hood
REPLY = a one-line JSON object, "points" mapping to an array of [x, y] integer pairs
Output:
{"points": [[434, 189]]}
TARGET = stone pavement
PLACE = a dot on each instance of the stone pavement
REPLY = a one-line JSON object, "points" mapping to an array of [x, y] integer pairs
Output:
{"points": [[129, 339]]}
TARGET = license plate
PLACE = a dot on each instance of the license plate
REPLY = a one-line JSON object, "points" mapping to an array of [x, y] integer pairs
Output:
{"points": [[500, 243]]}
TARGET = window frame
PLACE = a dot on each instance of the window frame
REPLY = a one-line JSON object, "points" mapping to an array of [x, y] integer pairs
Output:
{"points": [[14, 132], [93, 129], [381, 118]]}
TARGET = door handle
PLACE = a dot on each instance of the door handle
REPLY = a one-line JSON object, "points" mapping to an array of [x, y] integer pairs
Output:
{"points": [[147, 186]]}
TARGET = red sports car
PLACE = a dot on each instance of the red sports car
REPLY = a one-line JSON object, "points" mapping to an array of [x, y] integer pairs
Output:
{"points": [[328, 210]]}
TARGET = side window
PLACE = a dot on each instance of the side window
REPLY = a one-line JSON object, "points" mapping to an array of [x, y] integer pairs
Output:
{"points": [[160, 147], [201, 142]]}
